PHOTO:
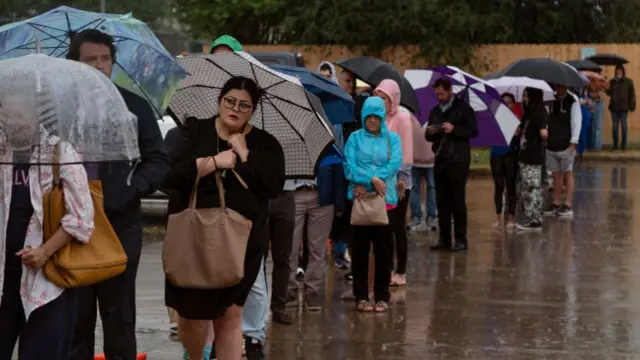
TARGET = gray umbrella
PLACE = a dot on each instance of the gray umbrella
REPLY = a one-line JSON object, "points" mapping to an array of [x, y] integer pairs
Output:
{"points": [[545, 69], [584, 65]]}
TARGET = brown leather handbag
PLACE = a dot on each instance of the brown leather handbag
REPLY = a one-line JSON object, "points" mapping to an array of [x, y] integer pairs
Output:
{"points": [[77, 264], [205, 248]]}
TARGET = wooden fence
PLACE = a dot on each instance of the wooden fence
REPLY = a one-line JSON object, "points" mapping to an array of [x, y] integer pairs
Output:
{"points": [[496, 56]]}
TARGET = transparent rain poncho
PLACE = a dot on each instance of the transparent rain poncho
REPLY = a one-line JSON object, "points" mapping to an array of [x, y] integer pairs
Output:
{"points": [[43, 97]]}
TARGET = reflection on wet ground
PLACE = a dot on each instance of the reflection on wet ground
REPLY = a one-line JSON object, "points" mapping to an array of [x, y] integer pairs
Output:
{"points": [[567, 293]]}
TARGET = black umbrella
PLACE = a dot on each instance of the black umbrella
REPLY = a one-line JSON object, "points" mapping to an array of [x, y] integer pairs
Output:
{"points": [[545, 69], [608, 59], [585, 65], [373, 71]]}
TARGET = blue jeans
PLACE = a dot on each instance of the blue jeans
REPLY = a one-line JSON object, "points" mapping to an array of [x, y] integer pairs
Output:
{"points": [[619, 119], [416, 204], [256, 309]]}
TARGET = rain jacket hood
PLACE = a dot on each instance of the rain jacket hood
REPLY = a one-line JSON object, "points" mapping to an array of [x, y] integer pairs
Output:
{"points": [[334, 76], [392, 90], [374, 105], [368, 156]]}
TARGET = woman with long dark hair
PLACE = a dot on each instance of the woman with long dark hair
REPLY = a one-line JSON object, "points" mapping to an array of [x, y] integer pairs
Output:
{"points": [[207, 146], [504, 168], [533, 131]]}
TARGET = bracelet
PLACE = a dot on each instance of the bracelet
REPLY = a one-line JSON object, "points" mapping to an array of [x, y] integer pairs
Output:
{"points": [[215, 164]]}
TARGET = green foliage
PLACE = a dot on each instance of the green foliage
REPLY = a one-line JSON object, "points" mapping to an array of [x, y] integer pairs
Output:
{"points": [[145, 10]]}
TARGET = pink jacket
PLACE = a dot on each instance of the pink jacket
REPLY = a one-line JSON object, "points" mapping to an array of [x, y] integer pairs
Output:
{"points": [[398, 121], [35, 289], [423, 155]]}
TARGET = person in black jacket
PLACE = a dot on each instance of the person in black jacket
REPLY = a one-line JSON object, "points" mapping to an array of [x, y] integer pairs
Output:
{"points": [[124, 184], [451, 126], [533, 132]]}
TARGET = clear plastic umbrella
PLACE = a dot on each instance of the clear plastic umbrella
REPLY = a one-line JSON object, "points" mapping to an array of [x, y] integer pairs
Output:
{"points": [[43, 97], [143, 65]]}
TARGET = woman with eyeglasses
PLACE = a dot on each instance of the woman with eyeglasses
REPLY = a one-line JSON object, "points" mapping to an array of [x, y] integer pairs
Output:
{"points": [[220, 143]]}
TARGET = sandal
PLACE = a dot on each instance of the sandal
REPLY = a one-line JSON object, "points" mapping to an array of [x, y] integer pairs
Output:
{"points": [[364, 306], [381, 306]]}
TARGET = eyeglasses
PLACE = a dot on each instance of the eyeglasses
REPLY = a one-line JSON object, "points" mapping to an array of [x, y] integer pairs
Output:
{"points": [[230, 103]]}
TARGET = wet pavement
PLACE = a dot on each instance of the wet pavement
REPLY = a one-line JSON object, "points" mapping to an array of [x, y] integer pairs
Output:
{"points": [[565, 293]]}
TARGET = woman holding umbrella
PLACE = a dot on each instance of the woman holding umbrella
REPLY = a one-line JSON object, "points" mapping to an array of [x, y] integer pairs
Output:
{"points": [[258, 158]]}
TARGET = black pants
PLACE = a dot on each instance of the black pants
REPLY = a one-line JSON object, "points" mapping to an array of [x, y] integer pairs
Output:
{"points": [[398, 222], [47, 334], [304, 255], [363, 238], [116, 302], [282, 213], [504, 170], [451, 182]]}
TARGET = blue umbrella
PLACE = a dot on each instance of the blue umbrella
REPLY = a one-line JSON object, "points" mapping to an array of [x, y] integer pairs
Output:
{"points": [[143, 65], [337, 104]]}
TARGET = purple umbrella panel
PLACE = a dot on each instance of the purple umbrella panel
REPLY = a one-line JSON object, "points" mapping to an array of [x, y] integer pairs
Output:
{"points": [[496, 122]]}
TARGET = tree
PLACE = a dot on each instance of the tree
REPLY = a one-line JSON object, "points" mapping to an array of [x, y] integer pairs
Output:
{"points": [[145, 10], [447, 31]]}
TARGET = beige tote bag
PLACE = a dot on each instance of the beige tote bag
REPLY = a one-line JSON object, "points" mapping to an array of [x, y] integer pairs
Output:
{"points": [[371, 209], [205, 248]]}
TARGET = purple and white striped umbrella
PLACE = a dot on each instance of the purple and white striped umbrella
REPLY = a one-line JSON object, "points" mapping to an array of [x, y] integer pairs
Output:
{"points": [[496, 122]]}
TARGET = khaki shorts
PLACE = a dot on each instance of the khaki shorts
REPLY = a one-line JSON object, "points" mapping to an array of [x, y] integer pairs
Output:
{"points": [[560, 161]]}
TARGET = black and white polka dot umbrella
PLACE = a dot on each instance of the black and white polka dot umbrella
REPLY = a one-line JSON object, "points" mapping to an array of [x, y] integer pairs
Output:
{"points": [[284, 109]]}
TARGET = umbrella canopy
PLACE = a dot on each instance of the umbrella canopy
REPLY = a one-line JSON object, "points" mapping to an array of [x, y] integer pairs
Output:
{"points": [[517, 85], [545, 69], [608, 59], [373, 71], [337, 104], [584, 65], [42, 96], [496, 122], [143, 65], [284, 109]]}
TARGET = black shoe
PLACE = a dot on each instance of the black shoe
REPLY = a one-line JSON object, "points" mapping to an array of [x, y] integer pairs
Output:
{"points": [[565, 211], [551, 210], [280, 317], [458, 247], [253, 349], [440, 246]]}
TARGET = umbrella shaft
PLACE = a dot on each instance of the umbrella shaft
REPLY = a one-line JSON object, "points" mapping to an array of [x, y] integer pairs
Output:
{"points": [[103, 6]]}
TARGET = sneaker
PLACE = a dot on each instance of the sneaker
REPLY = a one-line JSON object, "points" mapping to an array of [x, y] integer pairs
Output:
{"points": [[279, 316], [253, 349], [551, 210], [292, 300], [565, 211], [300, 274], [415, 222], [173, 334], [432, 223], [530, 227], [511, 226], [312, 302], [348, 276]]}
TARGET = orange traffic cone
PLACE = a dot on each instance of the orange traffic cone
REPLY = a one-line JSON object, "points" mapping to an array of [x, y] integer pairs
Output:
{"points": [[141, 356]]}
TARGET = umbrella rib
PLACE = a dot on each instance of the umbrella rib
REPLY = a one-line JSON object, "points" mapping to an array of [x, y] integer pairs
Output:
{"points": [[219, 67], [285, 119], [140, 87], [99, 21], [272, 85]]}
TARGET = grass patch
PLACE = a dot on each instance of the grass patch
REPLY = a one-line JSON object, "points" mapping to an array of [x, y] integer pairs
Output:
{"points": [[480, 158]]}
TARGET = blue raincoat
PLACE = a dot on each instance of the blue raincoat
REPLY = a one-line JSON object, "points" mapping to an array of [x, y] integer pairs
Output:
{"points": [[368, 156]]}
